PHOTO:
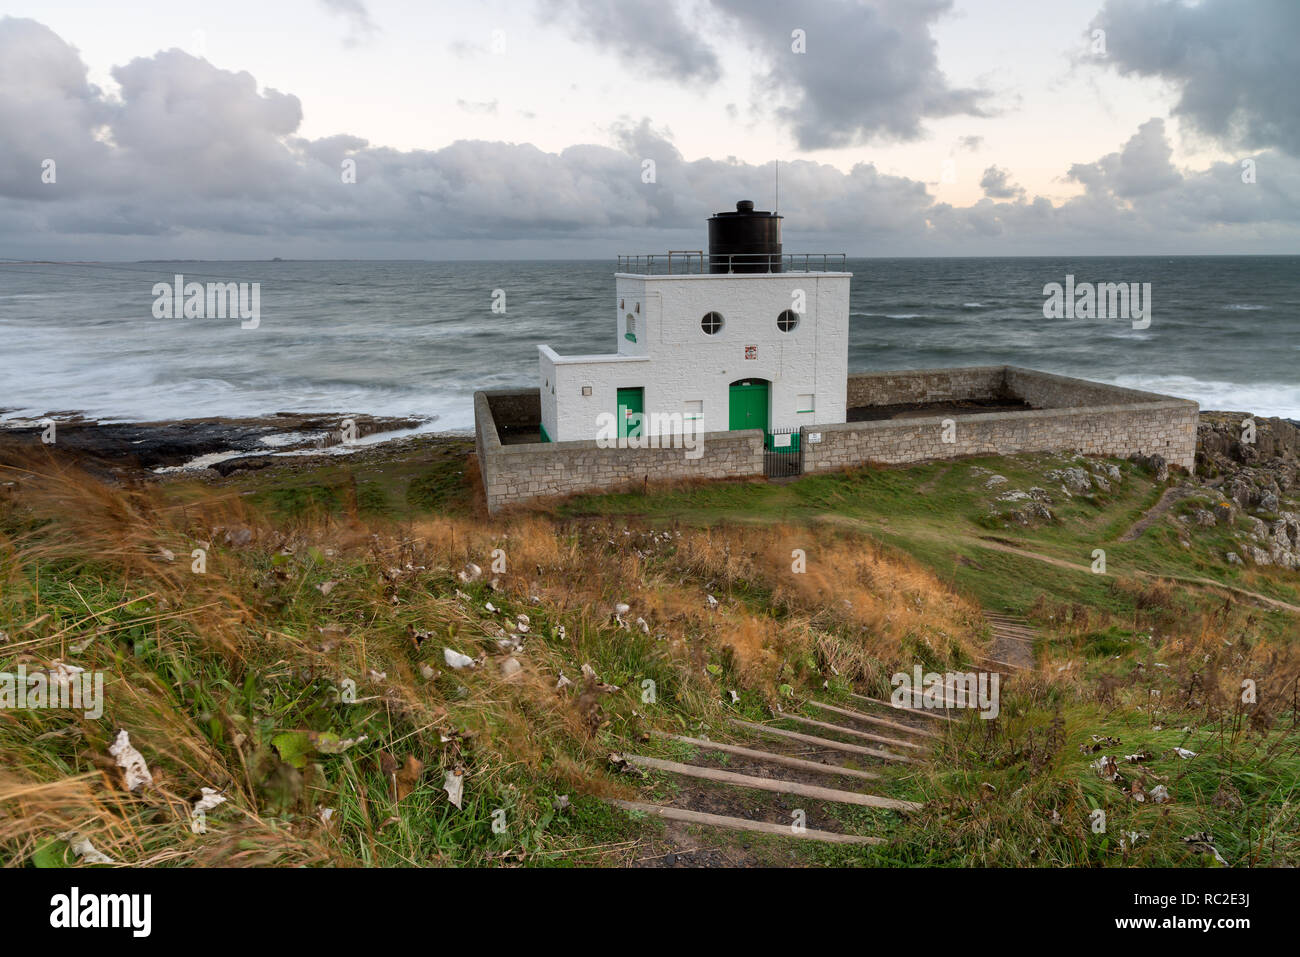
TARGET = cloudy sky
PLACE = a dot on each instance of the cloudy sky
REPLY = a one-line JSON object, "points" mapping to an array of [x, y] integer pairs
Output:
{"points": [[525, 128]]}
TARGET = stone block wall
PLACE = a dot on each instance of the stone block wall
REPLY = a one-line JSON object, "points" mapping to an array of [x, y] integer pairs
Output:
{"points": [[926, 385], [1043, 390], [518, 473], [1068, 415]]}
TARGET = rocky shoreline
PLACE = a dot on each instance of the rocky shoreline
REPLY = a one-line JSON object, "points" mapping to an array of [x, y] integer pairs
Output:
{"points": [[222, 445]]}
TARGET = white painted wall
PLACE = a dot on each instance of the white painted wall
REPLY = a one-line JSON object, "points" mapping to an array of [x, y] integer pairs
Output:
{"points": [[678, 364], [575, 416]]}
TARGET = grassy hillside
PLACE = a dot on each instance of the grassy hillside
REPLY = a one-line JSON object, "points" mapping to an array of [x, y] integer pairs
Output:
{"points": [[305, 675]]}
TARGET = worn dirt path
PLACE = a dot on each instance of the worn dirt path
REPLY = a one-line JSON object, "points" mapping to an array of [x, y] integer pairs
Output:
{"points": [[1152, 515]]}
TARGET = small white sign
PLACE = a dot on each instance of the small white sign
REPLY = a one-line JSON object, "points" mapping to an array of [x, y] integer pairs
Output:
{"points": [[781, 441], [814, 436]]}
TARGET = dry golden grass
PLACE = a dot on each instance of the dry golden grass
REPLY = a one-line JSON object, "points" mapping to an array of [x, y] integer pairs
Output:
{"points": [[94, 570]]}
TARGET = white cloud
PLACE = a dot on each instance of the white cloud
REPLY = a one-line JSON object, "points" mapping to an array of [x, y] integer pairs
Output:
{"points": [[193, 160]]}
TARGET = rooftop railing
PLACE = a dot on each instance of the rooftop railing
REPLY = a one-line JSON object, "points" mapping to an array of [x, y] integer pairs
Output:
{"points": [[683, 262]]}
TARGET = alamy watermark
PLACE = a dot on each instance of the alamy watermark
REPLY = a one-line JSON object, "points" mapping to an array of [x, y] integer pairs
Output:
{"points": [[1106, 300], [63, 687], [650, 430], [213, 300], [953, 689], [129, 911]]}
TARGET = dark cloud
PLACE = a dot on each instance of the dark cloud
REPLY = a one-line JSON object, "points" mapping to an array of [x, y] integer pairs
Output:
{"points": [[997, 184], [48, 110], [870, 70], [1142, 167], [1234, 62], [648, 35], [180, 113], [192, 161]]}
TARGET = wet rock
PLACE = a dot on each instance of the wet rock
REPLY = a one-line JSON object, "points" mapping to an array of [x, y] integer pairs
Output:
{"points": [[151, 445]]}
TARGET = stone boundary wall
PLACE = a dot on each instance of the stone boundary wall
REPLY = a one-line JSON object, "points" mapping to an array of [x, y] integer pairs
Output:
{"points": [[1069, 415], [519, 473], [925, 385], [1043, 390]]}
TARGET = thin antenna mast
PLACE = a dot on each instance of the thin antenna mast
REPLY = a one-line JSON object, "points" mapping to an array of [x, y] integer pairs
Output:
{"points": [[776, 202]]}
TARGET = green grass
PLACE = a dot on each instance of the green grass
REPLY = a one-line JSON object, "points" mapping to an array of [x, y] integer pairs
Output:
{"points": [[939, 513], [227, 681]]}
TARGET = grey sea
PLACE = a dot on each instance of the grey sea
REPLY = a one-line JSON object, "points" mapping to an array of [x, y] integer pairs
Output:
{"points": [[417, 338]]}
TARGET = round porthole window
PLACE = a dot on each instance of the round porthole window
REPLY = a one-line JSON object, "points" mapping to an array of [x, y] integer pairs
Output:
{"points": [[787, 321], [711, 323]]}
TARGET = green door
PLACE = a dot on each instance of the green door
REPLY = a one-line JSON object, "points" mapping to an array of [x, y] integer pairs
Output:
{"points": [[748, 407], [631, 406]]}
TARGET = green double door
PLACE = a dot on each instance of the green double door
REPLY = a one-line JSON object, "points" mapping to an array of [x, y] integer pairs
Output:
{"points": [[748, 405], [747, 409], [631, 409]]}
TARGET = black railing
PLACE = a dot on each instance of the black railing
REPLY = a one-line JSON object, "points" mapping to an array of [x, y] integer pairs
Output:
{"points": [[783, 453], [695, 261]]}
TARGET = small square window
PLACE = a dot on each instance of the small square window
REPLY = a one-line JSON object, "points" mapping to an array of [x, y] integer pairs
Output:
{"points": [[694, 409], [805, 403], [586, 390]]}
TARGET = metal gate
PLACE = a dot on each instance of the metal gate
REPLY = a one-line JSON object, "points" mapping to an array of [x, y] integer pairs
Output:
{"points": [[783, 453]]}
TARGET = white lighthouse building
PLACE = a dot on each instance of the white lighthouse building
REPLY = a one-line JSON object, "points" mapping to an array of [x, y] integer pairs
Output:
{"points": [[745, 337]]}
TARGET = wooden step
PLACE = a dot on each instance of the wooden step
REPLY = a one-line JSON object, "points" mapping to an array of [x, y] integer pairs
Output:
{"points": [[850, 713], [784, 760], [923, 712], [1004, 664], [798, 788], [1014, 632], [824, 742], [879, 739], [742, 824]]}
